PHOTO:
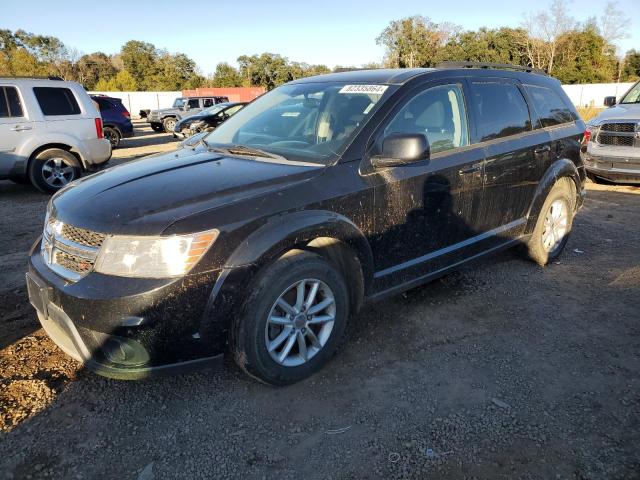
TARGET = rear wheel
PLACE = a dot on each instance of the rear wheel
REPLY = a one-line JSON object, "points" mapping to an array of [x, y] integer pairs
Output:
{"points": [[113, 136], [53, 169], [553, 226], [293, 321]]}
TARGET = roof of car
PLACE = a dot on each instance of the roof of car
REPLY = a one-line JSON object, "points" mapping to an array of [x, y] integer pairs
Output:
{"points": [[399, 76], [381, 75]]}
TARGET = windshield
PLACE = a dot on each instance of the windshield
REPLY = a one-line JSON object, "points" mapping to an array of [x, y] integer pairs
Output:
{"points": [[633, 96], [214, 109], [308, 121], [178, 103]]}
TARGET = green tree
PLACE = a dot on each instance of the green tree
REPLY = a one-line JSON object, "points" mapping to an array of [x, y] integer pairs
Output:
{"points": [[267, 70], [94, 67], [226, 76], [584, 56], [121, 82], [140, 59], [631, 66], [414, 41]]}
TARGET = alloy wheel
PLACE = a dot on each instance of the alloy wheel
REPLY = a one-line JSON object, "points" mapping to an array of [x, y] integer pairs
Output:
{"points": [[300, 322], [56, 173], [556, 224]]}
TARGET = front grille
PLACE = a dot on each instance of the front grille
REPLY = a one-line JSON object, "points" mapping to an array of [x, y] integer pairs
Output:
{"points": [[82, 236], [70, 251], [73, 263], [618, 127], [609, 139], [619, 134]]}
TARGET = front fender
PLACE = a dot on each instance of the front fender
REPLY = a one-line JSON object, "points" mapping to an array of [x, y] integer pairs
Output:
{"points": [[285, 231], [562, 168]]}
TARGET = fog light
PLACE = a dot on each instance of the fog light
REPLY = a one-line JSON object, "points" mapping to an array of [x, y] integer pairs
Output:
{"points": [[124, 351]]}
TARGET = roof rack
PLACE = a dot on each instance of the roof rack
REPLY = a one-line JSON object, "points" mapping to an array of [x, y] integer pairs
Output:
{"points": [[497, 66], [50, 77]]}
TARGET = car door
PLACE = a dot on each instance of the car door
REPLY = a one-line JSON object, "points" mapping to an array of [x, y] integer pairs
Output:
{"points": [[15, 126], [514, 152], [427, 212]]}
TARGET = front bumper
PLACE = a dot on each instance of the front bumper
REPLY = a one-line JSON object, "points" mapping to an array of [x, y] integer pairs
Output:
{"points": [[614, 164], [127, 328]]}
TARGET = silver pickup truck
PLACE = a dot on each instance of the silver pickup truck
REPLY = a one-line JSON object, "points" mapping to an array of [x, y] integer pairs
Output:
{"points": [[613, 140], [165, 119]]}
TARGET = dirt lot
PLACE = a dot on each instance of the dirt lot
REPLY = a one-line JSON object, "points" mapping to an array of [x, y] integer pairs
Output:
{"points": [[503, 370]]}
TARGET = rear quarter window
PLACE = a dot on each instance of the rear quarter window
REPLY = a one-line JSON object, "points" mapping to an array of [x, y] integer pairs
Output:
{"points": [[56, 101], [502, 110], [549, 105]]}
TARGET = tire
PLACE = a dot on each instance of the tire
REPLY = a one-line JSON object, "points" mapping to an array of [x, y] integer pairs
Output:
{"points": [[53, 169], [251, 333], [169, 124], [555, 220], [157, 127], [112, 135]]}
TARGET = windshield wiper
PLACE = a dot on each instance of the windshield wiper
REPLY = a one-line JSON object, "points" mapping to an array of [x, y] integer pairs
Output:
{"points": [[243, 150]]}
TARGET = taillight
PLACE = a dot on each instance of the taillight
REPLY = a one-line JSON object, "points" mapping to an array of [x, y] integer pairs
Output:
{"points": [[126, 114], [587, 136], [99, 128]]}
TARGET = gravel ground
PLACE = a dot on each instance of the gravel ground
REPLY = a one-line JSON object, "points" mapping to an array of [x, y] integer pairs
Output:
{"points": [[502, 370]]}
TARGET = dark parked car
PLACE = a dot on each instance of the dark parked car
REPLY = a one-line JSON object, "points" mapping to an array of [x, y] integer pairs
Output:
{"points": [[266, 235], [165, 119], [116, 119], [208, 119]]}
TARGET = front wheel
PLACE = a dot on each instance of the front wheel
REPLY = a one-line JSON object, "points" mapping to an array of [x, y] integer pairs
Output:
{"points": [[553, 226], [157, 127], [293, 321]]}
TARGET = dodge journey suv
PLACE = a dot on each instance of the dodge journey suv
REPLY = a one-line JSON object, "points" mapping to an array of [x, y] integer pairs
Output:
{"points": [[50, 131], [263, 238]]}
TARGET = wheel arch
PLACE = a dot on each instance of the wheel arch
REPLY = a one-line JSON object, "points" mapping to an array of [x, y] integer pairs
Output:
{"points": [[562, 168], [61, 146]]}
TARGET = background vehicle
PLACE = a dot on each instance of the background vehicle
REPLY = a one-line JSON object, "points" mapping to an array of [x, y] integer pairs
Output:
{"points": [[165, 119], [50, 131], [207, 119], [116, 120], [613, 140], [263, 237]]}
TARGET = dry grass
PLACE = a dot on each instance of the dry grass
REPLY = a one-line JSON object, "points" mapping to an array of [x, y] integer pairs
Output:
{"points": [[587, 113]]}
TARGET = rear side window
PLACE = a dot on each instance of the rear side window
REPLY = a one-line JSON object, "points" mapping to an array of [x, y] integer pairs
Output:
{"points": [[56, 101], [194, 103], [502, 110], [549, 105], [208, 102], [10, 105]]}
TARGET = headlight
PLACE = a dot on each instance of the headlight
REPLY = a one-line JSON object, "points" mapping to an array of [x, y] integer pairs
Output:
{"points": [[153, 257]]}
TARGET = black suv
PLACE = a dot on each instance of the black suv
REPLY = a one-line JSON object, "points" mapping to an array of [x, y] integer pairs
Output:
{"points": [[264, 237]]}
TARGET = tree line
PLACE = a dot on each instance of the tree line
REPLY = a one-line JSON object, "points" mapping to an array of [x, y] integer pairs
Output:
{"points": [[550, 40]]}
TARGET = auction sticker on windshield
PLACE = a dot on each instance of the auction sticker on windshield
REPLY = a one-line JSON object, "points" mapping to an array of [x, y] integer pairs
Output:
{"points": [[375, 89]]}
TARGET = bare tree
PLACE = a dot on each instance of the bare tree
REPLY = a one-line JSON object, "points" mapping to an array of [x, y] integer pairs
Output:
{"points": [[545, 28], [614, 23]]}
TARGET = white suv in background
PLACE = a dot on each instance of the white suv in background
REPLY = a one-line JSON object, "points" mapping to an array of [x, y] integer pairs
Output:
{"points": [[50, 132]]}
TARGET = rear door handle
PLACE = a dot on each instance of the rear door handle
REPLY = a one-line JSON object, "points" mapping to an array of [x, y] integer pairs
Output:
{"points": [[541, 150], [475, 168], [19, 128]]}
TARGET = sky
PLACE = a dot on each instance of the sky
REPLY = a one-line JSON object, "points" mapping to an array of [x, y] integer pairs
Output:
{"points": [[330, 32]]}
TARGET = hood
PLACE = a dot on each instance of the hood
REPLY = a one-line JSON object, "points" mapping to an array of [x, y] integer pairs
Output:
{"points": [[623, 111], [144, 197]]}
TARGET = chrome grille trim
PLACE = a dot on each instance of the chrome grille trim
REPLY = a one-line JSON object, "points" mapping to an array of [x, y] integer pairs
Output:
{"points": [[71, 258], [619, 134]]}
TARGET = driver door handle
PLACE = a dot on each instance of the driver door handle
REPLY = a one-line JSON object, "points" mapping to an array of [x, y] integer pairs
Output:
{"points": [[20, 128], [475, 168], [541, 150]]}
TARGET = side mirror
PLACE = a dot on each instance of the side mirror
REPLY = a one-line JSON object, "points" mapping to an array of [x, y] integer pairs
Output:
{"points": [[609, 101], [402, 149]]}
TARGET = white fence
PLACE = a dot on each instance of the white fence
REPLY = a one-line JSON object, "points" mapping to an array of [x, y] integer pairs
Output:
{"points": [[136, 101], [591, 95]]}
